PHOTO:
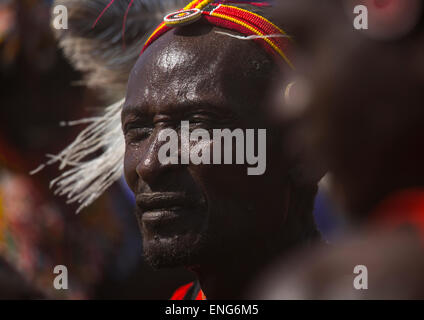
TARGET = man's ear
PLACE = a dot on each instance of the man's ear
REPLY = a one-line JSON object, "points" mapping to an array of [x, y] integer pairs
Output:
{"points": [[104, 52]]}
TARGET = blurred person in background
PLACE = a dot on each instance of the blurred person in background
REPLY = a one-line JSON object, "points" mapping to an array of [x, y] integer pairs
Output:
{"points": [[38, 232], [359, 95]]}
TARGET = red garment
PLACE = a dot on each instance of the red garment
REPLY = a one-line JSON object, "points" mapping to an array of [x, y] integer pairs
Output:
{"points": [[183, 293], [402, 208]]}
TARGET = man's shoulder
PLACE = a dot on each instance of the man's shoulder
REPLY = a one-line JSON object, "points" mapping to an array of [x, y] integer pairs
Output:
{"points": [[190, 291]]}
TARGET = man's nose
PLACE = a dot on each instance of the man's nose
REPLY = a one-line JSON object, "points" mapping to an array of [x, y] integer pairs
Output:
{"points": [[150, 168]]}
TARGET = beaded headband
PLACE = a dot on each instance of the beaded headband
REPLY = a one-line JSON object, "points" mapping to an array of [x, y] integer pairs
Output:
{"points": [[273, 39]]}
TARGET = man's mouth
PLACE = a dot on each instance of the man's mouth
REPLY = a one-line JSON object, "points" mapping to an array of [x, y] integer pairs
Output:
{"points": [[163, 200], [167, 211]]}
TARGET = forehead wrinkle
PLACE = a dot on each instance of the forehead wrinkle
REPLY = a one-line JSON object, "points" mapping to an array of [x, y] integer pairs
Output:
{"points": [[187, 75], [173, 58], [198, 54]]}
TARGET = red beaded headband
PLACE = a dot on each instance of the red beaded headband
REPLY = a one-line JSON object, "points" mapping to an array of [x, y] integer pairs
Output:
{"points": [[274, 40]]}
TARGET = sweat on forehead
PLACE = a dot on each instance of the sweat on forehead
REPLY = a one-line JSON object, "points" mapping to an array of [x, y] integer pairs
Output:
{"points": [[195, 57]]}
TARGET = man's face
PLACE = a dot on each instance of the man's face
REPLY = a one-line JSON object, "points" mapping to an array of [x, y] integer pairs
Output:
{"points": [[190, 213]]}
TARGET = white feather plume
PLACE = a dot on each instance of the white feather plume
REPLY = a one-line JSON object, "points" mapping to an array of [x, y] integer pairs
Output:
{"points": [[85, 178]]}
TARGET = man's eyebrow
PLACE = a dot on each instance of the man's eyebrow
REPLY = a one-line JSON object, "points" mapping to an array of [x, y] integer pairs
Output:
{"points": [[208, 106], [132, 110], [184, 108]]}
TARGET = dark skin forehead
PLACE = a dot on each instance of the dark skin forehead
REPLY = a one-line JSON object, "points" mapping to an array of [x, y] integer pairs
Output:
{"points": [[195, 66]]}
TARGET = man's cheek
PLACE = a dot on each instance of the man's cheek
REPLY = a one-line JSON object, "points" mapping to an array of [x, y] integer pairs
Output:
{"points": [[130, 169], [225, 179]]}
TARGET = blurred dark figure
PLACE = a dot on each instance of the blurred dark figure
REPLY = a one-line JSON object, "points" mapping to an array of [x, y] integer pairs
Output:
{"points": [[359, 94], [38, 231], [13, 286]]}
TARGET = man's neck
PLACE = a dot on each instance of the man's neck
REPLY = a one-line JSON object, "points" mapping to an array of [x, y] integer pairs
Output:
{"points": [[229, 276]]}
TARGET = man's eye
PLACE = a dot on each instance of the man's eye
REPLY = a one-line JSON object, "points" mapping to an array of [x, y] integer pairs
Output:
{"points": [[137, 134], [200, 122]]}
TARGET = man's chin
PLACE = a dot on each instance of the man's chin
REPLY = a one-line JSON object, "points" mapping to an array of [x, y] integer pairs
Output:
{"points": [[173, 251]]}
